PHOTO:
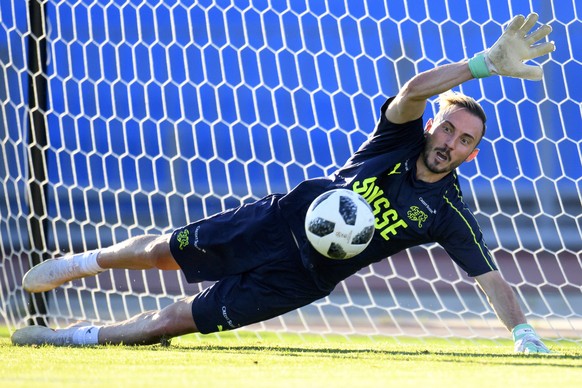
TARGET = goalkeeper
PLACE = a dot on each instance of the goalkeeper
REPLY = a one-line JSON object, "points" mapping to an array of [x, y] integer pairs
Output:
{"points": [[258, 254]]}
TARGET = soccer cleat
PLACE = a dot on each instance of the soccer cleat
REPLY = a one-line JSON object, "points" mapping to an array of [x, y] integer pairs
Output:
{"points": [[42, 335], [52, 273]]}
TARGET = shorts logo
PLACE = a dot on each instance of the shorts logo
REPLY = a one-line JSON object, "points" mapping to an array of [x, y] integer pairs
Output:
{"points": [[415, 214], [183, 238], [228, 320], [196, 240]]}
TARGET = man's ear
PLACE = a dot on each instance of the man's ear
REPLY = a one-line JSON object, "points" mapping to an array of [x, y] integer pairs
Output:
{"points": [[427, 126], [472, 155]]}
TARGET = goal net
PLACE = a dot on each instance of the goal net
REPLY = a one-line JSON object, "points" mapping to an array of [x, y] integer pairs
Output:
{"points": [[158, 113]]}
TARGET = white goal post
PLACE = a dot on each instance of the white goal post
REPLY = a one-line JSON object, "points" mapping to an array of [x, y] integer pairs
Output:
{"points": [[142, 116]]}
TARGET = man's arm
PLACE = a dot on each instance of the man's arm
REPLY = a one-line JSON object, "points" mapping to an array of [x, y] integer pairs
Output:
{"points": [[504, 302], [502, 299], [410, 102], [506, 57]]}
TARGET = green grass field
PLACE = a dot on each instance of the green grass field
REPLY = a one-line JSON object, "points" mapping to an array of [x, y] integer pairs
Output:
{"points": [[270, 361]]}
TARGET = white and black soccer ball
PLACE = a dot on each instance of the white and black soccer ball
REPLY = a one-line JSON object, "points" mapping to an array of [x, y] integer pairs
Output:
{"points": [[339, 224]]}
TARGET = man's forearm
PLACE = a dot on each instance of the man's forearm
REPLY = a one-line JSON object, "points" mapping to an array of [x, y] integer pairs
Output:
{"points": [[506, 307], [438, 80], [410, 102], [502, 299]]}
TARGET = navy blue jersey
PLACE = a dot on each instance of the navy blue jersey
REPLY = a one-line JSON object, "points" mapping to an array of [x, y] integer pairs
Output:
{"points": [[408, 212], [261, 270]]}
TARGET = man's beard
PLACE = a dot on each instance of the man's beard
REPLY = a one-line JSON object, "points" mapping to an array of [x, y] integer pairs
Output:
{"points": [[433, 167]]}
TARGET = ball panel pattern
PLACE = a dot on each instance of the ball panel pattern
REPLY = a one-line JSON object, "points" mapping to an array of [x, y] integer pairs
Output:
{"points": [[336, 251], [321, 227], [364, 236], [348, 210]]}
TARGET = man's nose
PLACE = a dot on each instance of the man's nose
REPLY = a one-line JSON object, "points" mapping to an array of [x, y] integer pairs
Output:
{"points": [[450, 143]]}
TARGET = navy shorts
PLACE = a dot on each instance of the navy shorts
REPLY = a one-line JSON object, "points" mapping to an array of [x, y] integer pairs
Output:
{"points": [[252, 255]]}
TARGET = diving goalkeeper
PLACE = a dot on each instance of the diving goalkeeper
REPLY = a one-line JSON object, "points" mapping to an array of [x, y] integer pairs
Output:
{"points": [[258, 254]]}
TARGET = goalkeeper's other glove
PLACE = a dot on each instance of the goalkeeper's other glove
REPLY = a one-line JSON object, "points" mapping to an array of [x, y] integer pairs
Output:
{"points": [[527, 341], [516, 45]]}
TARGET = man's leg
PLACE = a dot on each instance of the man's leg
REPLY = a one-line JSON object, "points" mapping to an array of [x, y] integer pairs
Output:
{"points": [[149, 327], [152, 327], [140, 252]]}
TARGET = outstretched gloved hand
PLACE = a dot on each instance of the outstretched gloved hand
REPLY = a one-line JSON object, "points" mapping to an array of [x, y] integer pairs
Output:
{"points": [[527, 341], [515, 46]]}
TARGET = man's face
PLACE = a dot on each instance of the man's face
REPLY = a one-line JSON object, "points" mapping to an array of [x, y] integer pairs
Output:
{"points": [[451, 140]]}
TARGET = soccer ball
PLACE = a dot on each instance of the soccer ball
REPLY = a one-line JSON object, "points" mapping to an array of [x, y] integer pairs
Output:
{"points": [[339, 224]]}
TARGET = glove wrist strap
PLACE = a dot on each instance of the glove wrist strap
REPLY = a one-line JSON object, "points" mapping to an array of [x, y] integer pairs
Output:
{"points": [[521, 330], [478, 66]]}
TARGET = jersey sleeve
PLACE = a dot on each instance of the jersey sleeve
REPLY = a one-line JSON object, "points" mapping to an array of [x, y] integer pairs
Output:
{"points": [[460, 235], [390, 137]]}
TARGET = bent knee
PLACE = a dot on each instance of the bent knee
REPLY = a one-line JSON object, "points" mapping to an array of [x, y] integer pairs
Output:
{"points": [[159, 252], [175, 319]]}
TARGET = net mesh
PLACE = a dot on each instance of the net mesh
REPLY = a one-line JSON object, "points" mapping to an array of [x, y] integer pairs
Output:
{"points": [[160, 113]]}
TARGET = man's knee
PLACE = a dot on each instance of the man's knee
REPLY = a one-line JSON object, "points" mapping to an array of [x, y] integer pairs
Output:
{"points": [[175, 319], [158, 249]]}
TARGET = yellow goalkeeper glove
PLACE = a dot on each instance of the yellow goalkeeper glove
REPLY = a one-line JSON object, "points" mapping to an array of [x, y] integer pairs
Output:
{"points": [[516, 45]]}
